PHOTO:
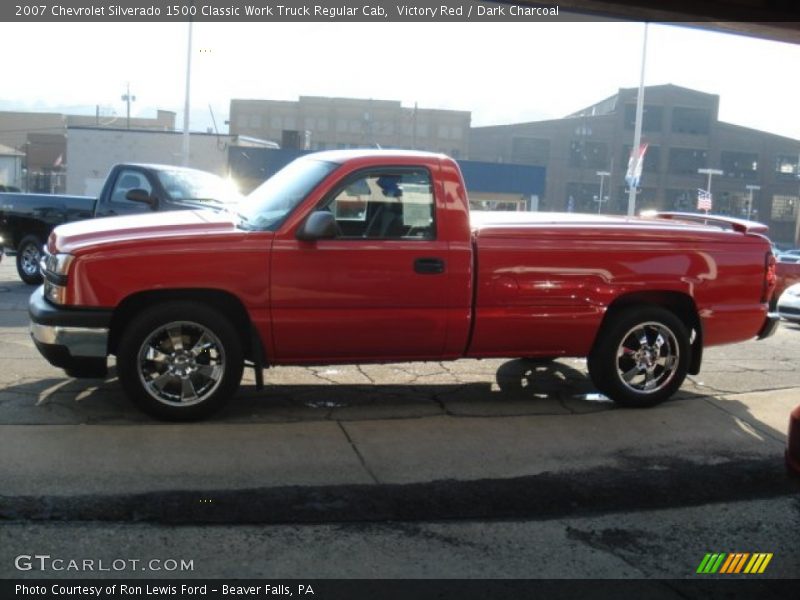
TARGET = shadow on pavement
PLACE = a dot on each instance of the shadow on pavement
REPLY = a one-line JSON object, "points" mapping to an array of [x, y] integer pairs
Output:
{"points": [[520, 387]]}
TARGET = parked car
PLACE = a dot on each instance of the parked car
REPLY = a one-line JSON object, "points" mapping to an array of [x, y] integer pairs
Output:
{"points": [[789, 303], [370, 256], [789, 256], [27, 219]]}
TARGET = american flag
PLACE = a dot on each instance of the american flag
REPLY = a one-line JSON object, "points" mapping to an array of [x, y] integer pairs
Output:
{"points": [[703, 200]]}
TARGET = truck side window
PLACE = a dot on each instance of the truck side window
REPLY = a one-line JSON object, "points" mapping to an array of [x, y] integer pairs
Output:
{"points": [[129, 180], [394, 203]]}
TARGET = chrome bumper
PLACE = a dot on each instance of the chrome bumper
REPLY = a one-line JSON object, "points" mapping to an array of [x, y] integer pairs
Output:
{"points": [[83, 342]]}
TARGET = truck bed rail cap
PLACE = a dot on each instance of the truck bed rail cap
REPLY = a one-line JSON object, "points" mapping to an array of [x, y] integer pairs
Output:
{"points": [[740, 225]]}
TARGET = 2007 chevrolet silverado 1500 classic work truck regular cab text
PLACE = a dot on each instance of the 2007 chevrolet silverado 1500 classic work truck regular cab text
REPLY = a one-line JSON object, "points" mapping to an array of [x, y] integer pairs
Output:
{"points": [[27, 219], [370, 256]]}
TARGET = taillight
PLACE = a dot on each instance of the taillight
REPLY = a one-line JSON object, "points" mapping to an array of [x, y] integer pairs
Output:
{"points": [[770, 277]]}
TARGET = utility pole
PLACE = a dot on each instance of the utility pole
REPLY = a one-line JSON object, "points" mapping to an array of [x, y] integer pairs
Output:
{"points": [[128, 99]]}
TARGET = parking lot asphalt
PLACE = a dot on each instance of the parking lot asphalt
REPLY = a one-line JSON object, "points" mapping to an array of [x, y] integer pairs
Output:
{"points": [[444, 440]]}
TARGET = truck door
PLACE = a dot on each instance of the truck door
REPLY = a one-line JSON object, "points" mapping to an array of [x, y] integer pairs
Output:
{"points": [[376, 291], [115, 203]]}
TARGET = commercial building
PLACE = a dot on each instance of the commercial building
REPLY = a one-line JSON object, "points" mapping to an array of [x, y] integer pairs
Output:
{"points": [[10, 168], [335, 123], [683, 134], [93, 151], [41, 137]]}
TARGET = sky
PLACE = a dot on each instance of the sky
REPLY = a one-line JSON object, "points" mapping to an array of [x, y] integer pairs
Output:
{"points": [[501, 72]]}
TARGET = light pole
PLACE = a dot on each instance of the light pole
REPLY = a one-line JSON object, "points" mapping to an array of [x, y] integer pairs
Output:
{"points": [[603, 175], [187, 102], [751, 189], [637, 127]]}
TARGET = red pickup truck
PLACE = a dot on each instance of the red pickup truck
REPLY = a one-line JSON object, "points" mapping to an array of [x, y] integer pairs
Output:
{"points": [[370, 256]]}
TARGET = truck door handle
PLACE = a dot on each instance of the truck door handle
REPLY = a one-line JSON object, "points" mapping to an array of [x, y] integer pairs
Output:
{"points": [[429, 266]]}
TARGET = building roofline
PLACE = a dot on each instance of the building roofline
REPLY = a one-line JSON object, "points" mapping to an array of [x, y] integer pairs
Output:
{"points": [[151, 131]]}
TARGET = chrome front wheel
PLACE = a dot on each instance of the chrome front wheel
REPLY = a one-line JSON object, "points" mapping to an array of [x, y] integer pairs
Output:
{"points": [[180, 361]]}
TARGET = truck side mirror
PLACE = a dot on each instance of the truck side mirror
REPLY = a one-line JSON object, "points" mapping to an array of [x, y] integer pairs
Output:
{"points": [[140, 195], [320, 225]]}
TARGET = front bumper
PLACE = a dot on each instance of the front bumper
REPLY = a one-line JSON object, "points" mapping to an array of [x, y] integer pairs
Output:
{"points": [[74, 339]]}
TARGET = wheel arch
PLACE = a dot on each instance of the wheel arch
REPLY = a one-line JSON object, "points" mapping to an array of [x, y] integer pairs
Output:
{"points": [[679, 303], [225, 302], [19, 228]]}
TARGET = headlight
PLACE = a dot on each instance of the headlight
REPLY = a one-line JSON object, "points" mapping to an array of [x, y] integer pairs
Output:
{"points": [[54, 270], [57, 264]]}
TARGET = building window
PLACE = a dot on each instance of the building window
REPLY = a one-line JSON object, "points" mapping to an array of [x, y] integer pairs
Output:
{"points": [[276, 123], [532, 151], [255, 121], [741, 165], [588, 155], [686, 161], [784, 208], [652, 117], [581, 197], [691, 120], [786, 167], [681, 200]]}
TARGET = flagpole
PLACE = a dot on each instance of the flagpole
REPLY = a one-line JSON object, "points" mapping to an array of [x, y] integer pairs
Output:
{"points": [[637, 132]]}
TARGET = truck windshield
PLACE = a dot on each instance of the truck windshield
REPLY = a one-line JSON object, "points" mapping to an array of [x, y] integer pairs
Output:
{"points": [[266, 207], [189, 185]]}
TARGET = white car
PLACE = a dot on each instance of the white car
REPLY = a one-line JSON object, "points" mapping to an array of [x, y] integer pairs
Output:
{"points": [[789, 303]]}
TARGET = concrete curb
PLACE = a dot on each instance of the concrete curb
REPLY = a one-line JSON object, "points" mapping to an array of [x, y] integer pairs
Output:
{"points": [[639, 486]]}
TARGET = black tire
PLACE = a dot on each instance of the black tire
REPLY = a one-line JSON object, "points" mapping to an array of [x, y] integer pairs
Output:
{"points": [[29, 253], [641, 356], [166, 379]]}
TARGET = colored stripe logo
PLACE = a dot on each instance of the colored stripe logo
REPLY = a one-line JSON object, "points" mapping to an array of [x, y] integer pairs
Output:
{"points": [[734, 563]]}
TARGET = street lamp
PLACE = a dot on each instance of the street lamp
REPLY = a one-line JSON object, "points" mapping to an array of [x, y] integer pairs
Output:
{"points": [[751, 188], [603, 175]]}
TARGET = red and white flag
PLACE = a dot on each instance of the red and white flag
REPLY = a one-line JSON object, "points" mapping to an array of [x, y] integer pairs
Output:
{"points": [[703, 200], [635, 163]]}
